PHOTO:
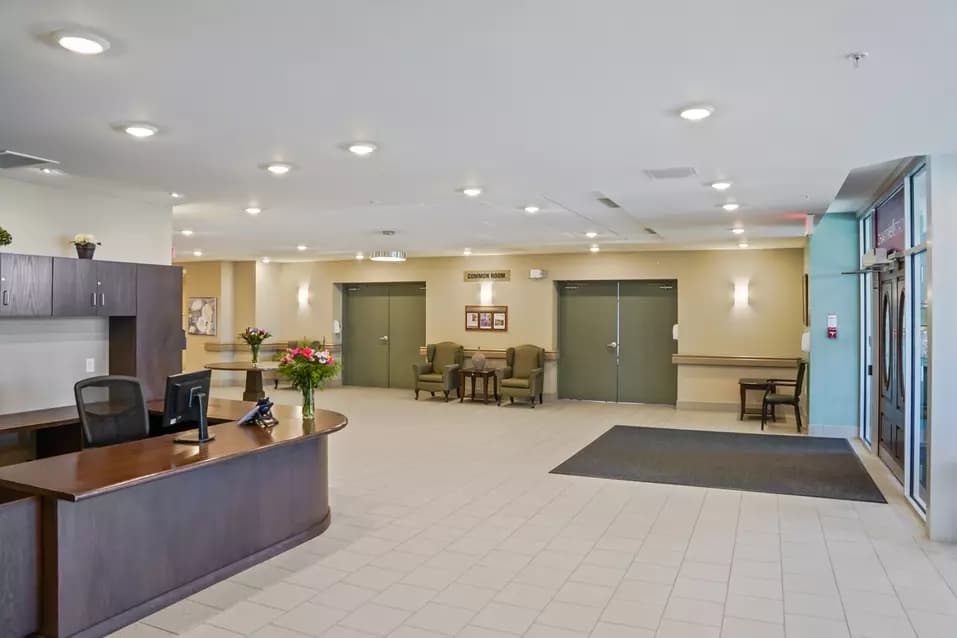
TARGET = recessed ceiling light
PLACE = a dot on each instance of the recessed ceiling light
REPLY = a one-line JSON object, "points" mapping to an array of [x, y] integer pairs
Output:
{"points": [[278, 168], [139, 130], [301, 247], [197, 253], [472, 191], [730, 206], [84, 43], [48, 170], [743, 244], [362, 148], [266, 260], [720, 186], [253, 210], [531, 210], [176, 195], [467, 252], [388, 255], [594, 248], [737, 230], [697, 113], [186, 232], [591, 234], [360, 256]]}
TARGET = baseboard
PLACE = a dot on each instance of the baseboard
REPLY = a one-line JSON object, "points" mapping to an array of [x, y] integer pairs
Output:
{"points": [[707, 406], [834, 431]]}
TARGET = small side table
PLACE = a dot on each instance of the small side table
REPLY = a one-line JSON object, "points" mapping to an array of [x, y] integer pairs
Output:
{"points": [[484, 374], [762, 385]]}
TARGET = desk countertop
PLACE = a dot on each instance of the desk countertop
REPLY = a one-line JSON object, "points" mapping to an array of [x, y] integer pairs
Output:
{"points": [[96, 471], [47, 418]]}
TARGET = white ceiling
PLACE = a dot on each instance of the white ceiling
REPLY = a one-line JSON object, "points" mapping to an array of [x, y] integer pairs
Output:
{"points": [[540, 101]]}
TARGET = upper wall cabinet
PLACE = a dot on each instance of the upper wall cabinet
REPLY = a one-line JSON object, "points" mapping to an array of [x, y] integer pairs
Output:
{"points": [[83, 288], [26, 285]]}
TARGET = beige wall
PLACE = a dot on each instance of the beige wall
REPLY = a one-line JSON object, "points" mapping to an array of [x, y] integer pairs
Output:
{"points": [[769, 326], [244, 297], [210, 279]]}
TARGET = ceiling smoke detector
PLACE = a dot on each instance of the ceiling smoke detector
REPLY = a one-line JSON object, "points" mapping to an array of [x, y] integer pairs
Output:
{"points": [[857, 58]]}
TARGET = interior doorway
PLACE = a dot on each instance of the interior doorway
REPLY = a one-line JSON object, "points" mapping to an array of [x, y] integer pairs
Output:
{"points": [[616, 341], [383, 327], [892, 389]]}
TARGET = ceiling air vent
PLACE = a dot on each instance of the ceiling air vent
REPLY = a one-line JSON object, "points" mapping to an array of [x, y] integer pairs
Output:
{"points": [[651, 231], [609, 202], [676, 172], [12, 159]]}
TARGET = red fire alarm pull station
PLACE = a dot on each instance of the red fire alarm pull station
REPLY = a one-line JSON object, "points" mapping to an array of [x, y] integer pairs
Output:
{"points": [[832, 326]]}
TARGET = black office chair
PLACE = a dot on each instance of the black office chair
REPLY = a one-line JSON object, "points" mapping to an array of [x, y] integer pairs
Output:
{"points": [[112, 410]]}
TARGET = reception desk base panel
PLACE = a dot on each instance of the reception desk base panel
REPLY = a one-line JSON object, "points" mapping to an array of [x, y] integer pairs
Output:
{"points": [[115, 558]]}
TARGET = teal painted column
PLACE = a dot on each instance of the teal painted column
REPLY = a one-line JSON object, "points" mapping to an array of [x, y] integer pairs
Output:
{"points": [[834, 381]]}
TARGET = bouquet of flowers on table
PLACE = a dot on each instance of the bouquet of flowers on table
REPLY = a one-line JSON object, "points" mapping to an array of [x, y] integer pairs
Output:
{"points": [[308, 369], [254, 338]]}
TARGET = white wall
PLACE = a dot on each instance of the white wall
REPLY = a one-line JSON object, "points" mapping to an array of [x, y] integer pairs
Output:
{"points": [[43, 358]]}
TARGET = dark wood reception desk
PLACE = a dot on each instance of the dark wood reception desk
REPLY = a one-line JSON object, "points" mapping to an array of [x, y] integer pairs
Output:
{"points": [[127, 529]]}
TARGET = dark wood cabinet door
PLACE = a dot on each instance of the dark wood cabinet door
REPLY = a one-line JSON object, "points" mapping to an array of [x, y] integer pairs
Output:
{"points": [[74, 287], [116, 289], [26, 286]]}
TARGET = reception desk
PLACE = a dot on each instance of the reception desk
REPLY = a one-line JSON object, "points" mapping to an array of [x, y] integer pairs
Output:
{"points": [[127, 529]]}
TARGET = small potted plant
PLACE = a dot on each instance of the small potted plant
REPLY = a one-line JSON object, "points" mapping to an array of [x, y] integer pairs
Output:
{"points": [[308, 369], [85, 245], [254, 338], [5, 237]]}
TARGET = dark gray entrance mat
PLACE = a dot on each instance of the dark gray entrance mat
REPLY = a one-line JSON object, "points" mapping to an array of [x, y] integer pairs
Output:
{"points": [[801, 465]]}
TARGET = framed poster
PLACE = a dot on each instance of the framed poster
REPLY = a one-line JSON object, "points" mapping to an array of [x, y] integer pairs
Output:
{"points": [[202, 316], [486, 318]]}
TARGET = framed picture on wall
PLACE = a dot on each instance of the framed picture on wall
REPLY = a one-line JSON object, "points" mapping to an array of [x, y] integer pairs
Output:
{"points": [[486, 318], [202, 316]]}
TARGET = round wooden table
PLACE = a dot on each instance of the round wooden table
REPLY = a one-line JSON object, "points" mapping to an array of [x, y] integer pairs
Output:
{"points": [[254, 375]]}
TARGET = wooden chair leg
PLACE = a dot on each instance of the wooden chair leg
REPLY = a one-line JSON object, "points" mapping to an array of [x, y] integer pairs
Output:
{"points": [[416, 395], [797, 415], [446, 393], [764, 413]]}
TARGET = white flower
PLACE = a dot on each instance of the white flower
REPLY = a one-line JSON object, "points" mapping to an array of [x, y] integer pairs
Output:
{"points": [[83, 238]]}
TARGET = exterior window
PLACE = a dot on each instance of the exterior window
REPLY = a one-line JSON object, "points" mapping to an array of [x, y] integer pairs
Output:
{"points": [[919, 205]]}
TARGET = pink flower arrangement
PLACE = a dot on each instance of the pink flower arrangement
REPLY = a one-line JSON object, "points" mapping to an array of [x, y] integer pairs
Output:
{"points": [[308, 368], [254, 336]]}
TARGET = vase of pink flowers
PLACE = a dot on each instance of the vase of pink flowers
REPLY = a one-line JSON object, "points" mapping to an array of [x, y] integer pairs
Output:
{"points": [[254, 338], [308, 369]]}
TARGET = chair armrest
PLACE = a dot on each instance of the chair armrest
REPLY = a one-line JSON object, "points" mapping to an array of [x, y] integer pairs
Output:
{"points": [[783, 381], [452, 368], [421, 368], [535, 379], [503, 373]]}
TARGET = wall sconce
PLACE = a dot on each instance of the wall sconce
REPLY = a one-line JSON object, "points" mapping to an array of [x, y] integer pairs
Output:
{"points": [[485, 293], [302, 296], [741, 293]]}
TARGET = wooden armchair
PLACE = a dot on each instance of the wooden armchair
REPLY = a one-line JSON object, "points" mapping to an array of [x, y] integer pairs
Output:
{"points": [[775, 398]]}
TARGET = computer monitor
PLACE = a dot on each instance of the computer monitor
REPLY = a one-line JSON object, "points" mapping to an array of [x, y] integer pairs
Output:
{"points": [[187, 397]]}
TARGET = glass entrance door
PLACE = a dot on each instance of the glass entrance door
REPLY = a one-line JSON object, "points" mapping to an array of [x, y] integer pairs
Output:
{"points": [[892, 390]]}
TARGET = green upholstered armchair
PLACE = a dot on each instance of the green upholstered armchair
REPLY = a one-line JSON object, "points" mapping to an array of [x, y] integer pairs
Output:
{"points": [[523, 374], [441, 372]]}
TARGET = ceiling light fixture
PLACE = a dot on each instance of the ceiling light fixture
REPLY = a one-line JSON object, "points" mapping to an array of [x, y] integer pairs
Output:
{"points": [[730, 206], [388, 255], [362, 148], [743, 244], [84, 43], [47, 170], [531, 209], [697, 113], [278, 168], [139, 130], [176, 195], [301, 247], [253, 210], [467, 252], [186, 232], [472, 191], [360, 256], [737, 230], [720, 186], [591, 234], [594, 248], [197, 253]]}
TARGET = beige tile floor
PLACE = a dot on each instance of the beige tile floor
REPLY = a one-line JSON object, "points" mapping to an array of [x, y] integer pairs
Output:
{"points": [[447, 523]]}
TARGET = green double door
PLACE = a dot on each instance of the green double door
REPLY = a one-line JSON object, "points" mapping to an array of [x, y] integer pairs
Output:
{"points": [[383, 327], [615, 341]]}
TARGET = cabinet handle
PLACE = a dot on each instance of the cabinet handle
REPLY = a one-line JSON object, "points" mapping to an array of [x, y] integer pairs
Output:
{"points": [[102, 298], [93, 299], [5, 298]]}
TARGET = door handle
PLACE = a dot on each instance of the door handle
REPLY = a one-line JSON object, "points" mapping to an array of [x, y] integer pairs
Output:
{"points": [[384, 338], [93, 299], [102, 298], [612, 346], [5, 302]]}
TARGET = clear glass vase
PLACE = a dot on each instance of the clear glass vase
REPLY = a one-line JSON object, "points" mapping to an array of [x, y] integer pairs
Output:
{"points": [[308, 403], [255, 350]]}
